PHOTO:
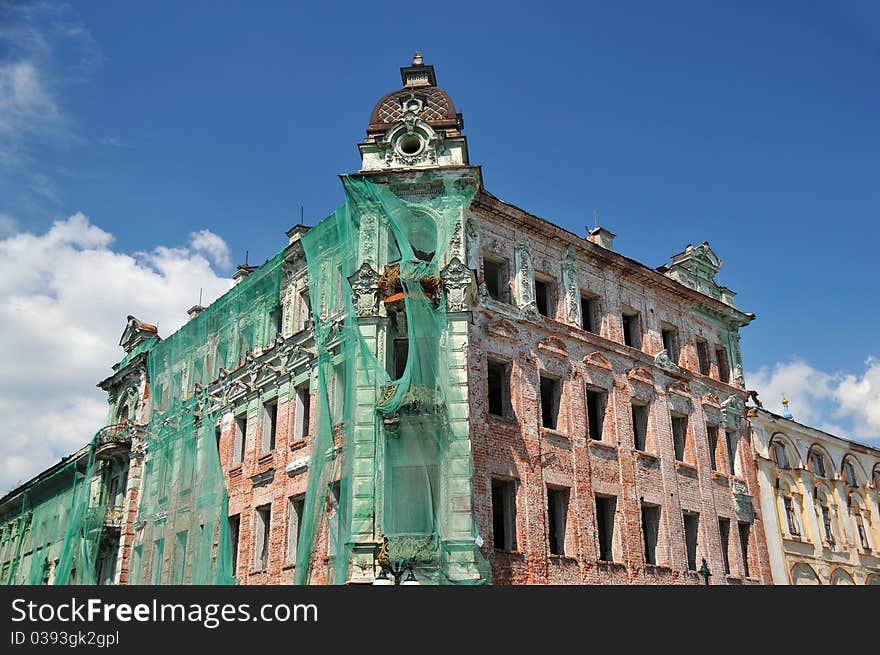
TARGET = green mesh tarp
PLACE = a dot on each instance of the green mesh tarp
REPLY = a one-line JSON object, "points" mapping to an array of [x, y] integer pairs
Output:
{"points": [[182, 532], [55, 534], [407, 414]]}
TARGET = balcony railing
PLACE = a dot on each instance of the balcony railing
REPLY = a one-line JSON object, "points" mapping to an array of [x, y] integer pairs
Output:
{"points": [[114, 439]]}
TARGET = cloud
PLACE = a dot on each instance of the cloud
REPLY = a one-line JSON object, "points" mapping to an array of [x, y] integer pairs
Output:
{"points": [[64, 296], [7, 224], [844, 403], [211, 245]]}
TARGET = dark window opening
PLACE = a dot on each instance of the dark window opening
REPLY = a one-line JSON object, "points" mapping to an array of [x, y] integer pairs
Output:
{"points": [[712, 432], [703, 356], [640, 426], [401, 353], [270, 426], [588, 319], [240, 439], [670, 342], [651, 531], [542, 297], [504, 514], [724, 528], [495, 278], [295, 508], [723, 364], [679, 436], [744, 545], [632, 335], [691, 531], [499, 388], [261, 533], [605, 508], [303, 411], [818, 463], [557, 516], [596, 403], [549, 402], [234, 523], [732, 450]]}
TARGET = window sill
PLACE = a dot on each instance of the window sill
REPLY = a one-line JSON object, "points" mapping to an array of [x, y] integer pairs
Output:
{"points": [[563, 559], [299, 443], [657, 569], [610, 566], [551, 432], [506, 420], [235, 471], [685, 468], [602, 445], [266, 458], [513, 553]]}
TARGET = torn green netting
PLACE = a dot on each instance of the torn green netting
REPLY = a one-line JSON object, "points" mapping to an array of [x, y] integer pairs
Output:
{"points": [[410, 420], [182, 531]]}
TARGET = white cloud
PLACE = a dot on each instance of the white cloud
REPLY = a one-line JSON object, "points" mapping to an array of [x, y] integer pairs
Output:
{"points": [[7, 224], [845, 404], [64, 296], [211, 245]]}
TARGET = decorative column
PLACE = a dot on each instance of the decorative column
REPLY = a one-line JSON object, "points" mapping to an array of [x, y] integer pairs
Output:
{"points": [[572, 288], [524, 283]]}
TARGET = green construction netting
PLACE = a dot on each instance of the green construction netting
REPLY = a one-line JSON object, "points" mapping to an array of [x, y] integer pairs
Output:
{"points": [[182, 532], [55, 535], [405, 419]]}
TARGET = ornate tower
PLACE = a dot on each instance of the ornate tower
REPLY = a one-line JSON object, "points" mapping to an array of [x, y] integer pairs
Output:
{"points": [[414, 127]]}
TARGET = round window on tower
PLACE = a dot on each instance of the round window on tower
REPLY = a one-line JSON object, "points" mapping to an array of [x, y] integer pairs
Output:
{"points": [[410, 144]]}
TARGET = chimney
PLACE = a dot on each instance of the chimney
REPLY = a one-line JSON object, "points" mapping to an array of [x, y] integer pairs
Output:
{"points": [[242, 272], [602, 238], [194, 311]]}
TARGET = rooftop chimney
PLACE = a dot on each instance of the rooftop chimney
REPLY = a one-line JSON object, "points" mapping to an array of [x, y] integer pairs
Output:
{"points": [[194, 311], [602, 237], [242, 272]]}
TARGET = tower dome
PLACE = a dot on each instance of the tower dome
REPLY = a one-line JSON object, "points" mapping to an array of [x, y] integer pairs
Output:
{"points": [[416, 126]]}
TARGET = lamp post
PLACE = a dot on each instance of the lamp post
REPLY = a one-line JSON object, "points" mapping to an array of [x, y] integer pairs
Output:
{"points": [[705, 572], [396, 569]]}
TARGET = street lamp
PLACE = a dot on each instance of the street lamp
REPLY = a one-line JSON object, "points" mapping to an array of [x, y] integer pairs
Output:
{"points": [[396, 569]]}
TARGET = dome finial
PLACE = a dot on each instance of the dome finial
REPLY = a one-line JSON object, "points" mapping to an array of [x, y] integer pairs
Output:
{"points": [[786, 412], [417, 58]]}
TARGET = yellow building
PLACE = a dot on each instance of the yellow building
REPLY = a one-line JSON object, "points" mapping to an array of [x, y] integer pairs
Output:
{"points": [[819, 501]]}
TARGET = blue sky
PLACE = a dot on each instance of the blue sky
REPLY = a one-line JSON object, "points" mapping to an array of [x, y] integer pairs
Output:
{"points": [[751, 125]]}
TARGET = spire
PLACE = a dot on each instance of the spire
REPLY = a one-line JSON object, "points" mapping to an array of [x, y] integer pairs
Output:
{"points": [[786, 412]]}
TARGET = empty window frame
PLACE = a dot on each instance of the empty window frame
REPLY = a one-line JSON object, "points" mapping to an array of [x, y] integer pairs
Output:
{"points": [[703, 356], [295, 506], [780, 454], [240, 438], [597, 401], [817, 463], [744, 529], [234, 526], [714, 446], [691, 537], [550, 392], [499, 388], [496, 277], [504, 513], [605, 510], [650, 531], [544, 297], [827, 524], [305, 310], [723, 364], [669, 335], [270, 426], [632, 329], [590, 314], [640, 414], [302, 412], [724, 529], [262, 527], [849, 474], [557, 518], [157, 561], [679, 436], [860, 529], [333, 516]]}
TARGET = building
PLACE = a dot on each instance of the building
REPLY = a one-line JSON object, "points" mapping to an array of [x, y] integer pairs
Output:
{"points": [[819, 498], [435, 384]]}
